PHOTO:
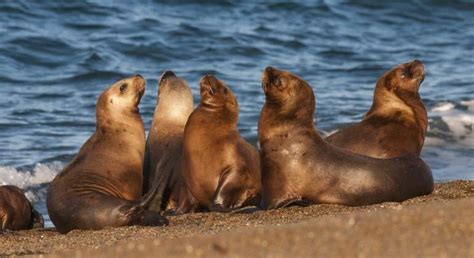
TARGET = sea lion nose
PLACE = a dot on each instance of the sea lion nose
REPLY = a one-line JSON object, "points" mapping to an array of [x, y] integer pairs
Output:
{"points": [[210, 79], [269, 70], [209, 82], [139, 82], [417, 67], [416, 61], [167, 74]]}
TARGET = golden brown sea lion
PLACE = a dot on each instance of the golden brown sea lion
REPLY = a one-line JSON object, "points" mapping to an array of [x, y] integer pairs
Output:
{"points": [[397, 121], [165, 140], [221, 170], [102, 186], [298, 166], [16, 212]]}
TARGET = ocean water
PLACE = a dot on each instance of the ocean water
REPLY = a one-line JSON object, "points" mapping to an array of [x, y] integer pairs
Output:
{"points": [[57, 56]]}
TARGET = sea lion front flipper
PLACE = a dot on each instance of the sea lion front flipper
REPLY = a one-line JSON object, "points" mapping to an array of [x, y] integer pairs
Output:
{"points": [[6, 219], [229, 193]]}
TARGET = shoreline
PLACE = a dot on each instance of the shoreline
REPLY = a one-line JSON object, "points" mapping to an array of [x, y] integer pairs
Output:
{"points": [[441, 219]]}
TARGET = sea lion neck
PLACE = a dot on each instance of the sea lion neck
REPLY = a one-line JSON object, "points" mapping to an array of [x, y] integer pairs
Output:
{"points": [[272, 124], [414, 101], [174, 109], [109, 122], [224, 114], [388, 103]]}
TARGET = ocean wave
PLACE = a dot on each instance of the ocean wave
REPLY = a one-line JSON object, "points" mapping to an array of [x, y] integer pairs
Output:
{"points": [[41, 173], [452, 122], [33, 180]]}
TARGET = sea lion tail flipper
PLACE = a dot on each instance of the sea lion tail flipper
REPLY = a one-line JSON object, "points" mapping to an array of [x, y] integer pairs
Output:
{"points": [[154, 197], [146, 170]]}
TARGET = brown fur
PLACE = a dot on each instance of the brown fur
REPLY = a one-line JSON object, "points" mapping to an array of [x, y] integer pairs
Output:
{"points": [[16, 212], [221, 170], [298, 166], [397, 121]]}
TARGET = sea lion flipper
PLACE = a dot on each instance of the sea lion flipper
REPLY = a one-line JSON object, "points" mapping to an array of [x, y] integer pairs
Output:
{"points": [[146, 170], [154, 199], [7, 219], [229, 190], [187, 202]]}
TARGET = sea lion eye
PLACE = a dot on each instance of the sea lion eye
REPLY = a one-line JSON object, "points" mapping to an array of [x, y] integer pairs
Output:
{"points": [[123, 87], [225, 90], [405, 73]]}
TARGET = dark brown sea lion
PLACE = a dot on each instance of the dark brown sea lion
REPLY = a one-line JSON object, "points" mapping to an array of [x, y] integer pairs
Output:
{"points": [[221, 170], [16, 212], [397, 121], [102, 186], [165, 140], [298, 166]]}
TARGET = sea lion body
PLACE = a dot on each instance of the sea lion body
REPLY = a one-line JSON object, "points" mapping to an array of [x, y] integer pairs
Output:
{"points": [[165, 140], [298, 166], [221, 170], [16, 211], [102, 186], [397, 121]]}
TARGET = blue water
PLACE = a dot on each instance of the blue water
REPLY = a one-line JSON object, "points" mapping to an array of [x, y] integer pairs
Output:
{"points": [[57, 56]]}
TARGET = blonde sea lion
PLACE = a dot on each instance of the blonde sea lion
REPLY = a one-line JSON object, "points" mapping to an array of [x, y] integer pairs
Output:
{"points": [[165, 140], [102, 186]]}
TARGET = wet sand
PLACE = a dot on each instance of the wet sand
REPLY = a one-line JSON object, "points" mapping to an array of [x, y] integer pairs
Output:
{"points": [[438, 225]]}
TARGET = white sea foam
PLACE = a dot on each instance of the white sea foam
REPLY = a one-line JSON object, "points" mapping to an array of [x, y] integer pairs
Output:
{"points": [[443, 107], [459, 122], [469, 104], [41, 173]]}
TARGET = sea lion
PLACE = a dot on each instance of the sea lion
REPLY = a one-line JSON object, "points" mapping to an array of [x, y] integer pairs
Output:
{"points": [[299, 167], [221, 170], [102, 185], [16, 212], [165, 139], [397, 121]]}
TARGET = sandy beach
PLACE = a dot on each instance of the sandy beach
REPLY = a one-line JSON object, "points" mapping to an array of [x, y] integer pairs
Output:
{"points": [[438, 225]]}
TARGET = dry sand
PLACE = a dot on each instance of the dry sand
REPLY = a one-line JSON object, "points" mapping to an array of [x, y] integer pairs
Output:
{"points": [[438, 225]]}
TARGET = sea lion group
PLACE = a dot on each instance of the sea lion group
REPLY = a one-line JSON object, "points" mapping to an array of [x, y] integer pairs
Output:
{"points": [[195, 159]]}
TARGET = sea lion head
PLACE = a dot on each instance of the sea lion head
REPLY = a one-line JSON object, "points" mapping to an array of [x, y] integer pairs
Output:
{"points": [[291, 96], [175, 99], [405, 77], [170, 84], [215, 94], [396, 94], [122, 98]]}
